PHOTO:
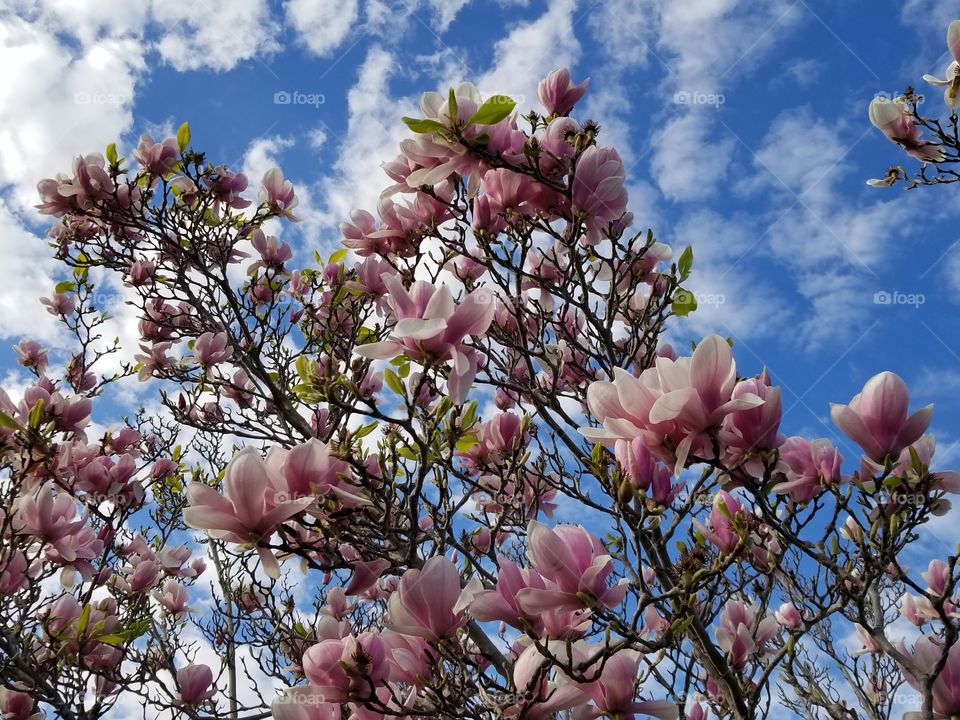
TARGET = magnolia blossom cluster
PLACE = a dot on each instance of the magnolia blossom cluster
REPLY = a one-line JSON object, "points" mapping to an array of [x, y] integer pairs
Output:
{"points": [[450, 470], [65, 528], [900, 121]]}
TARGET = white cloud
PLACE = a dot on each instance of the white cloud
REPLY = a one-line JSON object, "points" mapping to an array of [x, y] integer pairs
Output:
{"points": [[87, 20], [214, 34], [28, 273], [262, 155], [322, 25], [531, 51], [63, 100], [374, 131], [446, 11], [731, 299], [60, 102], [317, 138], [687, 162]]}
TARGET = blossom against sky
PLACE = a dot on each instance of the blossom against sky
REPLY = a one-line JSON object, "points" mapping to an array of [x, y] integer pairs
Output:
{"points": [[742, 123]]}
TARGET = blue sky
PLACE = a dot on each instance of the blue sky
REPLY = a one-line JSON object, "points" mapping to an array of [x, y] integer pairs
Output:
{"points": [[743, 125]]}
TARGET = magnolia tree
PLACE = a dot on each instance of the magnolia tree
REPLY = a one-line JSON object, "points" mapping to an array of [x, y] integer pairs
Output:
{"points": [[451, 471], [901, 121]]}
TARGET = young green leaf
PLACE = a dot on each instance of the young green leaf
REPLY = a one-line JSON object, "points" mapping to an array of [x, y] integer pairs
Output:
{"points": [[453, 112], [183, 136], [494, 110], [684, 303], [685, 263], [423, 125]]}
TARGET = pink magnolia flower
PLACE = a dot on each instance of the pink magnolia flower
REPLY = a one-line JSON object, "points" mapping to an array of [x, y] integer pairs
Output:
{"points": [[157, 158], [59, 304], [927, 653], [423, 605], [540, 697], [951, 78], [16, 705], [726, 522], [558, 94], [599, 191], [211, 349], [226, 186], [937, 576], [49, 516], [32, 355], [917, 610], [309, 470], [90, 184], [431, 327], [497, 438], [14, 574], [502, 603], [278, 193], [174, 598], [810, 467], [672, 404], [153, 360], [273, 253], [641, 466], [142, 575], [893, 120], [614, 691], [195, 683], [789, 617], [743, 633], [756, 428], [876, 418], [248, 513], [343, 669], [577, 566], [868, 644]]}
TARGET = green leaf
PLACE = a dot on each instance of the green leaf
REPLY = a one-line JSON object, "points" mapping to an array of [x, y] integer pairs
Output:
{"points": [[64, 287], [467, 442], [393, 381], [469, 416], [423, 125], [366, 430], [339, 255], [183, 136], [112, 639], [892, 482], [494, 110], [35, 413], [685, 263], [112, 153], [684, 303], [8, 422], [305, 368], [915, 461], [452, 110], [84, 620]]}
